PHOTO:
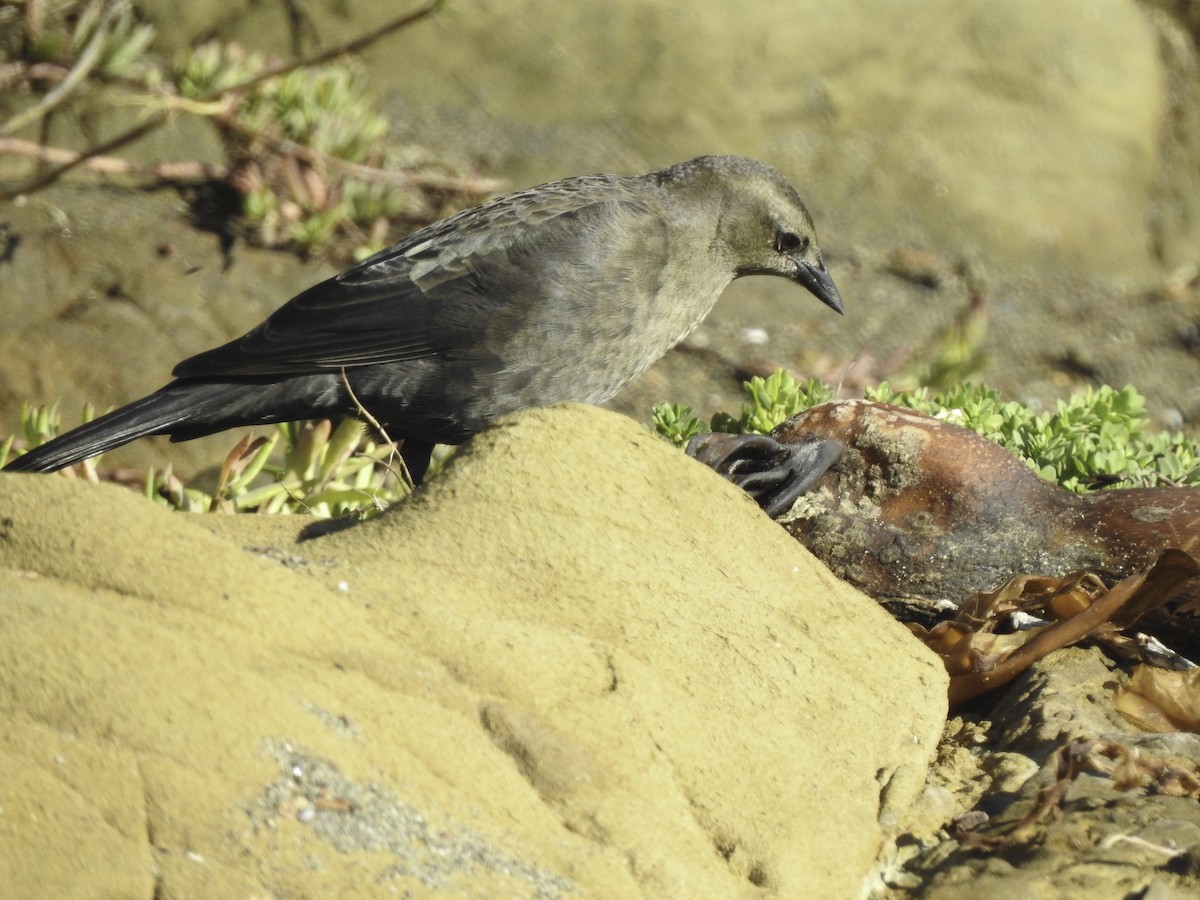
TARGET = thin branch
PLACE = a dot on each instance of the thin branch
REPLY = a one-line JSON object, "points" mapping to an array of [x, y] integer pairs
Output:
{"points": [[474, 186], [75, 77], [191, 170], [471, 185], [300, 23], [13, 72], [354, 45], [374, 423], [126, 137], [113, 165]]}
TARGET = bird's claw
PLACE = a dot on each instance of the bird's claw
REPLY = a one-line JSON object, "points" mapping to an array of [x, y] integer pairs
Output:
{"points": [[774, 474]]}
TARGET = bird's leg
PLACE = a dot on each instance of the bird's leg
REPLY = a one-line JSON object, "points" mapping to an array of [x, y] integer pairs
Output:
{"points": [[772, 473], [416, 458]]}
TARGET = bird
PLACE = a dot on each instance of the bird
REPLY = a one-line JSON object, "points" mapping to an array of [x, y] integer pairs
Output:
{"points": [[563, 292]]}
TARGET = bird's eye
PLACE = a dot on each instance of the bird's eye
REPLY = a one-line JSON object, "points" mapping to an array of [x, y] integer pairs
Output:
{"points": [[786, 242]]}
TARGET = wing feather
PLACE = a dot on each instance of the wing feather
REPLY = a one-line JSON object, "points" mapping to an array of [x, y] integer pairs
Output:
{"points": [[427, 295]]}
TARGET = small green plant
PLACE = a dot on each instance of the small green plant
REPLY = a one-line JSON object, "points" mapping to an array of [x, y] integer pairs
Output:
{"points": [[318, 470], [773, 400], [1099, 438], [675, 422], [306, 147], [38, 425], [323, 471]]}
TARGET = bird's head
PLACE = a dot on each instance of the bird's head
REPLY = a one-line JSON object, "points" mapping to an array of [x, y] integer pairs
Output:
{"points": [[763, 227]]}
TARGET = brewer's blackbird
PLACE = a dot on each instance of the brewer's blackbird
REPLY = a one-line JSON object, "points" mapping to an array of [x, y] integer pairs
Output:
{"points": [[563, 292]]}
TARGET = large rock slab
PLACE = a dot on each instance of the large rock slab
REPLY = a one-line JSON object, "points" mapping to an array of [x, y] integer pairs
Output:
{"points": [[576, 661], [1027, 132]]}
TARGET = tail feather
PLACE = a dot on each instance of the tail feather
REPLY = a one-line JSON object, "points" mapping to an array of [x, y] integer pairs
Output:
{"points": [[157, 413]]}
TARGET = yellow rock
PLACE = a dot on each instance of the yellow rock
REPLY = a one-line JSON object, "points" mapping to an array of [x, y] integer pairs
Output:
{"points": [[577, 661]]}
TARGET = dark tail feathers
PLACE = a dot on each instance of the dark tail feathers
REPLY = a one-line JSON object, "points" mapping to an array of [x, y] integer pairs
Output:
{"points": [[175, 404]]}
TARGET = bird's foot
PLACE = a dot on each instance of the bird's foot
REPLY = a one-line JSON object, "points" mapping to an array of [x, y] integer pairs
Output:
{"points": [[772, 473]]}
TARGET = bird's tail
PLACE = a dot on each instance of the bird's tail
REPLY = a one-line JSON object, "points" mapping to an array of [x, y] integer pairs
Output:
{"points": [[158, 413]]}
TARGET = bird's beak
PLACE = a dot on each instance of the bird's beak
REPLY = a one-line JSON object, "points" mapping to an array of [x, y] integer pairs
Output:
{"points": [[817, 280]]}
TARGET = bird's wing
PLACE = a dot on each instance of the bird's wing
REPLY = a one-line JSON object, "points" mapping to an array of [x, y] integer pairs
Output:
{"points": [[421, 297], [330, 326]]}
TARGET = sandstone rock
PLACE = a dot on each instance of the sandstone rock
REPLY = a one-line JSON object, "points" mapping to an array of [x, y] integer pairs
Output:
{"points": [[577, 661]]}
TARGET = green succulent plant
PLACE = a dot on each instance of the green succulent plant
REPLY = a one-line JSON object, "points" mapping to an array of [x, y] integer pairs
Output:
{"points": [[300, 467], [1096, 439]]}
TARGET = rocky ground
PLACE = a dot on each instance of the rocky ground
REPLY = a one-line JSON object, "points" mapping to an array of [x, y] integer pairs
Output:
{"points": [[999, 765]]}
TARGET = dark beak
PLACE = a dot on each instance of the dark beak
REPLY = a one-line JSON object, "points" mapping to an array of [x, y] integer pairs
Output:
{"points": [[817, 280]]}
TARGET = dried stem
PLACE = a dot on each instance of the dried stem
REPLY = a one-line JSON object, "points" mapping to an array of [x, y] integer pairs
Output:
{"points": [[75, 77], [354, 45], [112, 165], [126, 137], [406, 476]]}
